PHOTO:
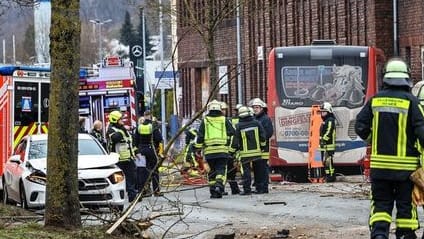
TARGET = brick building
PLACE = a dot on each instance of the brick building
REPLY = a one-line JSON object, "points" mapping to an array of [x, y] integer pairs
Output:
{"points": [[270, 23]]}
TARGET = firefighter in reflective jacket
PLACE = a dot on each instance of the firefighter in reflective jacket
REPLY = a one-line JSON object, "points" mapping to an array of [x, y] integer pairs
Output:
{"points": [[248, 141], [328, 140], [260, 110], [231, 169], [120, 141], [392, 121], [146, 137], [189, 151], [213, 138]]}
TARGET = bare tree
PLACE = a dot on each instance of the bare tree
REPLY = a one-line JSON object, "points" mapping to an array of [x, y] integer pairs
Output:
{"points": [[62, 202]]}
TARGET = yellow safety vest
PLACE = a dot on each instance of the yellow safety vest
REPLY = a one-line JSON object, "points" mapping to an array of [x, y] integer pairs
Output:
{"points": [[215, 135], [124, 149]]}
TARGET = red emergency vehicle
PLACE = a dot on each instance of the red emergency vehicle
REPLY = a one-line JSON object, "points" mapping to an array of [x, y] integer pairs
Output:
{"points": [[24, 99], [108, 88], [24, 102]]}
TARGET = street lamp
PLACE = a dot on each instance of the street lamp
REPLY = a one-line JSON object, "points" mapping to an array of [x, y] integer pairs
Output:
{"points": [[100, 23]]}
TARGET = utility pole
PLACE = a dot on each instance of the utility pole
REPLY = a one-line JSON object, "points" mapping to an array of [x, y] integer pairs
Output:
{"points": [[99, 24], [162, 91], [239, 80]]}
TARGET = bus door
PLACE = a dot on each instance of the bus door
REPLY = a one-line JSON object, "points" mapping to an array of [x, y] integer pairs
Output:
{"points": [[31, 108]]}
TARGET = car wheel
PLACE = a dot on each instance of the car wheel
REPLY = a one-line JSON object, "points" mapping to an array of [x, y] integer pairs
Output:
{"points": [[24, 203], [5, 193]]}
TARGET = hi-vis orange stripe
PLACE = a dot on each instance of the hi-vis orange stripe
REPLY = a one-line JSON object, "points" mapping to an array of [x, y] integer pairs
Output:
{"points": [[20, 131]]}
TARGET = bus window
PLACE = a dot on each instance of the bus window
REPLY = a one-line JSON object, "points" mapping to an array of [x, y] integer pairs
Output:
{"points": [[339, 85]]}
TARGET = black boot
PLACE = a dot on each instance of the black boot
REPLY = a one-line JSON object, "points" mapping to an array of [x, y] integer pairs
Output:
{"points": [[234, 187], [380, 237], [216, 192], [245, 193]]}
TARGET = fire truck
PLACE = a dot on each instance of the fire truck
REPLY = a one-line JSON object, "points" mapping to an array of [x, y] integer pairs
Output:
{"points": [[24, 99], [24, 103], [108, 88]]}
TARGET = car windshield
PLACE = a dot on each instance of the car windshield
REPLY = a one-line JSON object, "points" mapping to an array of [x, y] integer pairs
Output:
{"points": [[38, 149], [89, 147]]}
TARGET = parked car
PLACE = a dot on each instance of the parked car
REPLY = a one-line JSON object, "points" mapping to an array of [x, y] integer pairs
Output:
{"points": [[100, 182]]}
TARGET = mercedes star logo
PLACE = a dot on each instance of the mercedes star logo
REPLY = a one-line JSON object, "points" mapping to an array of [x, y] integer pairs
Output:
{"points": [[137, 50]]}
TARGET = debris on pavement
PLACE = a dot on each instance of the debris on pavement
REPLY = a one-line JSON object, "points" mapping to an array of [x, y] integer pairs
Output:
{"points": [[275, 202]]}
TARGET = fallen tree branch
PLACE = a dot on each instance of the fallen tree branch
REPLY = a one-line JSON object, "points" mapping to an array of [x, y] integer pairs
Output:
{"points": [[21, 217]]}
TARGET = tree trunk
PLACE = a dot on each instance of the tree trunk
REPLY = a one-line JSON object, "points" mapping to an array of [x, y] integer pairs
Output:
{"points": [[62, 202]]}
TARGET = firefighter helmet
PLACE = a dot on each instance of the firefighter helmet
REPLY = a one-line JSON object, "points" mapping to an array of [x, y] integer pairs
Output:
{"points": [[238, 106], [257, 102], [114, 116], [244, 111], [326, 107], [214, 105], [396, 73], [224, 105]]}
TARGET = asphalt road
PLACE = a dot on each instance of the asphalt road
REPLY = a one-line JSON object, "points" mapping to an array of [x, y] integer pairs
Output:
{"points": [[306, 210]]}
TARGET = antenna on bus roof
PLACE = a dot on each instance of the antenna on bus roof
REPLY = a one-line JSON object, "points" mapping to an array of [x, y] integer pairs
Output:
{"points": [[324, 42]]}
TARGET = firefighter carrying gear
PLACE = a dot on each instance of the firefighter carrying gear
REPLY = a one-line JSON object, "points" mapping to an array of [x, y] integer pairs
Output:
{"points": [[328, 140], [249, 140], [213, 138], [394, 119]]}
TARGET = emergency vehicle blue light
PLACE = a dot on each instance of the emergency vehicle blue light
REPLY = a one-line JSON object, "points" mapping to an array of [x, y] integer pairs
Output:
{"points": [[7, 70], [83, 73]]}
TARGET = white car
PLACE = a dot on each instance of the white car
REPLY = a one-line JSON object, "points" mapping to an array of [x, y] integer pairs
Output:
{"points": [[100, 182]]}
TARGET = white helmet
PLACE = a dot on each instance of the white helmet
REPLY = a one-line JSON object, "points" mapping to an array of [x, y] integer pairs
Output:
{"points": [[238, 106], [244, 111], [257, 101], [214, 105], [326, 107], [224, 105]]}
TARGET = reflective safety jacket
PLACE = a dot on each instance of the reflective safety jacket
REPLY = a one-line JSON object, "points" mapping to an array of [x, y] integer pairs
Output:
{"points": [[214, 133], [266, 122], [147, 134], [249, 138], [393, 120], [328, 133], [120, 141]]}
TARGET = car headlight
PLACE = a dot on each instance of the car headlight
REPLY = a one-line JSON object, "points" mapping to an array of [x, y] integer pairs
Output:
{"points": [[37, 177], [117, 177]]}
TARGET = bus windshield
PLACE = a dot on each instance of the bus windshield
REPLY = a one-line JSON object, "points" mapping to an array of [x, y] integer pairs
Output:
{"points": [[339, 85], [305, 79]]}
